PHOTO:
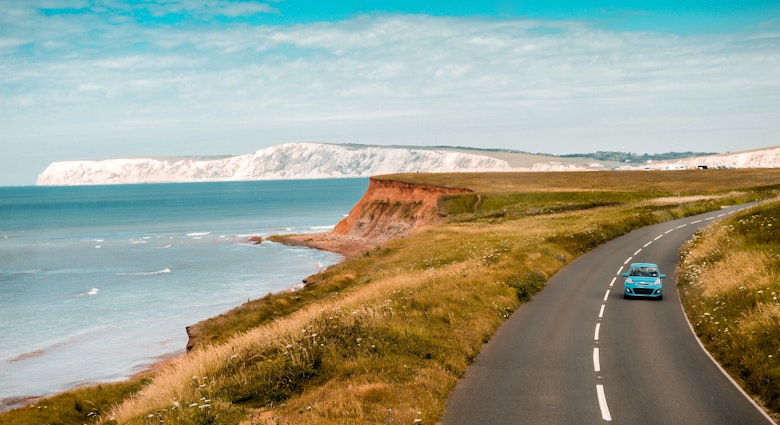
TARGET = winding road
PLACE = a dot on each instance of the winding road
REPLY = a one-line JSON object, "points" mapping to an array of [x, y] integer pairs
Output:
{"points": [[578, 353]]}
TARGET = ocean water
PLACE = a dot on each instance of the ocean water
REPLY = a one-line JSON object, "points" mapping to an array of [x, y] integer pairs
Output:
{"points": [[99, 282]]}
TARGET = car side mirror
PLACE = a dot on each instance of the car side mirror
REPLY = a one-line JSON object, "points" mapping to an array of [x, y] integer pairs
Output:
{"points": [[663, 276], [624, 274]]}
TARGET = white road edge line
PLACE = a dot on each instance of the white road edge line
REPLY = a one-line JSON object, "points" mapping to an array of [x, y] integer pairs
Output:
{"points": [[723, 371], [603, 403], [596, 363], [596, 333]]}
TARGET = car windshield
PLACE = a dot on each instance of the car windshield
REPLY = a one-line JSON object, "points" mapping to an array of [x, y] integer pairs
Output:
{"points": [[643, 271]]}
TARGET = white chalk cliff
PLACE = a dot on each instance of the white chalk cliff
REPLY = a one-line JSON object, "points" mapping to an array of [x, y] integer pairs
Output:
{"points": [[286, 161], [758, 158]]}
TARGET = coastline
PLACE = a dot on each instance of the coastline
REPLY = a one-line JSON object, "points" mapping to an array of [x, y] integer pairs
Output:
{"points": [[327, 241]]}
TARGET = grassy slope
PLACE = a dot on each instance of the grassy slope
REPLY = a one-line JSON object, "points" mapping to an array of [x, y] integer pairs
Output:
{"points": [[730, 286], [382, 338]]}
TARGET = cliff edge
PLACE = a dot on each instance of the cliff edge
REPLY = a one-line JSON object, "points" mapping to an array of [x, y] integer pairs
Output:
{"points": [[389, 209]]}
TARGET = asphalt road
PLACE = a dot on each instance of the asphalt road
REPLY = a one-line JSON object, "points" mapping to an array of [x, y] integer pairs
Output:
{"points": [[578, 353]]}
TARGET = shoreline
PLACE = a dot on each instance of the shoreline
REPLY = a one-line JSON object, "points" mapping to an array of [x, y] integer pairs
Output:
{"points": [[327, 241]]}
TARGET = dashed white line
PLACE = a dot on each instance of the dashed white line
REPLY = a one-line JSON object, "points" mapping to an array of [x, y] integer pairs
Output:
{"points": [[669, 231], [613, 280], [648, 244], [638, 251], [619, 270], [596, 362], [601, 312], [697, 221], [596, 332], [658, 237], [627, 260], [606, 296], [681, 226], [603, 403]]}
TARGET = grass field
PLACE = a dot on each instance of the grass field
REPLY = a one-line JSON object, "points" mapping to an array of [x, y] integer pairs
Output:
{"points": [[384, 336]]}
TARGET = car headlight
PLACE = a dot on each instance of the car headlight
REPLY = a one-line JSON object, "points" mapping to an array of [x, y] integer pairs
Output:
{"points": [[629, 280], [657, 282]]}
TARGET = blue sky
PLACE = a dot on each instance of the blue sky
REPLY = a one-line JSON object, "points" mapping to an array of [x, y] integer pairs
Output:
{"points": [[91, 79]]}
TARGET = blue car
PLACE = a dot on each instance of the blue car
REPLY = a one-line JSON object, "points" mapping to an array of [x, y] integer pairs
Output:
{"points": [[643, 280]]}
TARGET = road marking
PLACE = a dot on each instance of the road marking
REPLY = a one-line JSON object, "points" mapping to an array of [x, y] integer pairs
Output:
{"points": [[648, 244], [638, 251], [697, 221], [669, 231], [596, 333], [658, 237], [613, 280], [619, 270], [710, 218], [603, 403], [721, 215], [681, 226], [606, 296], [627, 260], [596, 363], [601, 312]]}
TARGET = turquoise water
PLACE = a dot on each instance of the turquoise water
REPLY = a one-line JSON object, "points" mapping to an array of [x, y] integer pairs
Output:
{"points": [[99, 282]]}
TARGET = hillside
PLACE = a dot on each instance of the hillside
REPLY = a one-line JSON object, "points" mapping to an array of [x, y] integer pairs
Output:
{"points": [[315, 161]]}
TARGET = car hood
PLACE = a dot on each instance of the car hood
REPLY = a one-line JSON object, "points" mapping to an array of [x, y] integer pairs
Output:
{"points": [[643, 280]]}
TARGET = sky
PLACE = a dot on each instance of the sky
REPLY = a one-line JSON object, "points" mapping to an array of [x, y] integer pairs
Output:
{"points": [[95, 79]]}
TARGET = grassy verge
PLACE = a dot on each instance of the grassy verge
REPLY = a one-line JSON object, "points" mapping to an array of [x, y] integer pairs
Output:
{"points": [[80, 406], [383, 337], [730, 287]]}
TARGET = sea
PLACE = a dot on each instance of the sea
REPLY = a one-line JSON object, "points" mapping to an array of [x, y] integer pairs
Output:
{"points": [[98, 283]]}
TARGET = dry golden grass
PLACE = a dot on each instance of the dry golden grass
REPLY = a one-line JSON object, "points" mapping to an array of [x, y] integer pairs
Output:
{"points": [[682, 182]]}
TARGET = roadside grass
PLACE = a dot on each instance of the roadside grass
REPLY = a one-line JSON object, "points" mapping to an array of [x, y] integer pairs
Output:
{"points": [[384, 336], [730, 287]]}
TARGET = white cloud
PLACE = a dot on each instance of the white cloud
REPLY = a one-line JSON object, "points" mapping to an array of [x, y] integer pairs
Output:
{"points": [[531, 85]]}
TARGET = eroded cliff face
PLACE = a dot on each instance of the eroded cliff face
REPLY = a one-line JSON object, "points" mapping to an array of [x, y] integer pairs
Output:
{"points": [[391, 209]]}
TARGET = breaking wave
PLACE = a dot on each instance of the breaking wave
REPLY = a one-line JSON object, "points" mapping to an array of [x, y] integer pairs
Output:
{"points": [[163, 271], [92, 291]]}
